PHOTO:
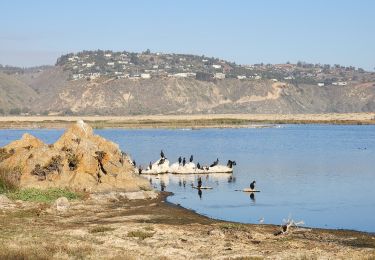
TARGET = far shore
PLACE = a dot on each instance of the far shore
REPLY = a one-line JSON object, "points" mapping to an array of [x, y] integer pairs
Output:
{"points": [[188, 121]]}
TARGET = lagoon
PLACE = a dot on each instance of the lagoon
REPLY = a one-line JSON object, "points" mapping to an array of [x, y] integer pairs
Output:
{"points": [[321, 174]]}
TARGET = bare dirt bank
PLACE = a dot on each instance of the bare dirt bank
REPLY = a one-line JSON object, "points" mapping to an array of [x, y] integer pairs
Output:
{"points": [[154, 229], [181, 121]]}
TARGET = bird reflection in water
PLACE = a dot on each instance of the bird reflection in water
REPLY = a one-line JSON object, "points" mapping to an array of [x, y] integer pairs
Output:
{"points": [[200, 193], [231, 179], [162, 185], [252, 197]]}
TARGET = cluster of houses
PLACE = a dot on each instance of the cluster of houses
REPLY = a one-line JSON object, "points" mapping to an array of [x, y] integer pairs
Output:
{"points": [[91, 65], [95, 64]]}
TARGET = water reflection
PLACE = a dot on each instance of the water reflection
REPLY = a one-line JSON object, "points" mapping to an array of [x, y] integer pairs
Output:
{"points": [[213, 180], [252, 197], [200, 193], [317, 164]]}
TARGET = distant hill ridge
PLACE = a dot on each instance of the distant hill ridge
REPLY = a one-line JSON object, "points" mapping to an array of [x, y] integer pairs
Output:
{"points": [[126, 83]]}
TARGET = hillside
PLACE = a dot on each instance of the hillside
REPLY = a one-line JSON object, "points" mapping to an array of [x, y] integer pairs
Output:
{"points": [[15, 96], [107, 83]]}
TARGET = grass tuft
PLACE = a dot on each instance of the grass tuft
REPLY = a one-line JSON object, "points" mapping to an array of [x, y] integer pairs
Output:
{"points": [[47, 196], [101, 229], [140, 234], [233, 227]]}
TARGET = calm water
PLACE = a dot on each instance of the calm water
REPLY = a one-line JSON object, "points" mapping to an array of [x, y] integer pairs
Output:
{"points": [[323, 175]]}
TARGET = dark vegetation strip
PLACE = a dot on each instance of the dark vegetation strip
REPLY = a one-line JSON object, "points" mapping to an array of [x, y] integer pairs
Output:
{"points": [[194, 123]]}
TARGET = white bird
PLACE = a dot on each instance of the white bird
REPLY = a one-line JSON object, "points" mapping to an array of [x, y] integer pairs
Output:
{"points": [[261, 220]]}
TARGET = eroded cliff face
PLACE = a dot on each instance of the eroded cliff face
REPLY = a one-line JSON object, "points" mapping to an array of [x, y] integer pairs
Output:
{"points": [[50, 91], [79, 160]]}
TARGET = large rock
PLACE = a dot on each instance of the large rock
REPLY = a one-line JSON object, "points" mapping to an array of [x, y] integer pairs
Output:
{"points": [[78, 160]]}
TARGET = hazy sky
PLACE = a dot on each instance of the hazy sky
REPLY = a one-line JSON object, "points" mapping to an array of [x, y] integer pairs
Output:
{"points": [[35, 32]]}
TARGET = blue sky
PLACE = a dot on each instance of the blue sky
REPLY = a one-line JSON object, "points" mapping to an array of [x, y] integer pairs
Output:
{"points": [[34, 32]]}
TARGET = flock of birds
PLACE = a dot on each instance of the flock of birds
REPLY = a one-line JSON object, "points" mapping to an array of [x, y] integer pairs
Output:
{"points": [[182, 161]]}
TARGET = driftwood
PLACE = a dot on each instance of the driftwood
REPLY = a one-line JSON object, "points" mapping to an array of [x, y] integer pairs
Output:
{"points": [[288, 224]]}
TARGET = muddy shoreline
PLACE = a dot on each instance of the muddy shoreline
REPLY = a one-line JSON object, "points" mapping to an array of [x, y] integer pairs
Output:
{"points": [[113, 228]]}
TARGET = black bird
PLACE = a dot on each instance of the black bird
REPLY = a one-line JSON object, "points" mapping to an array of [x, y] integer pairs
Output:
{"points": [[252, 185], [162, 154], [183, 162], [161, 161], [215, 163], [150, 165], [134, 163], [140, 170], [198, 166], [191, 158], [179, 160], [199, 182], [231, 163]]}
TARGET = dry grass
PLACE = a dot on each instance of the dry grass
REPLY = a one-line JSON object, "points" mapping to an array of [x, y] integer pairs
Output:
{"points": [[234, 227], [140, 234], [9, 179], [45, 251], [100, 229]]}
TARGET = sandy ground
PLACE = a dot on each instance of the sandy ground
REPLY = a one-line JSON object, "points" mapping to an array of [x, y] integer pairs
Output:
{"points": [[214, 120], [154, 229]]}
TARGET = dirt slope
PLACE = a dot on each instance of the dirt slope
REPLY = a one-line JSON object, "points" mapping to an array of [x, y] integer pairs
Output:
{"points": [[50, 91]]}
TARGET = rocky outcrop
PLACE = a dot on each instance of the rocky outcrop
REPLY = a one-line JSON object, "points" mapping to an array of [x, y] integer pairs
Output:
{"points": [[79, 160]]}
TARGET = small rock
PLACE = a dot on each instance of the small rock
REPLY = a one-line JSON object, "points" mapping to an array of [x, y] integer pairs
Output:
{"points": [[62, 204], [216, 232], [4, 200]]}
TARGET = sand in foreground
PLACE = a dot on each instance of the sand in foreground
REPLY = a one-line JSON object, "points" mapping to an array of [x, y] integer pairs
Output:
{"points": [[154, 229]]}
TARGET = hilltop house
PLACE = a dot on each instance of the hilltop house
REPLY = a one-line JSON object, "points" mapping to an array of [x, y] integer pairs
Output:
{"points": [[340, 83], [219, 76], [145, 76]]}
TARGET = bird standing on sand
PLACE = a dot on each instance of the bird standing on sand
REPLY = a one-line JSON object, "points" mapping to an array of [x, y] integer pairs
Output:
{"points": [[191, 158], [150, 166], [252, 185], [179, 160], [162, 154], [183, 162], [134, 163], [198, 166]]}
